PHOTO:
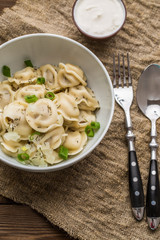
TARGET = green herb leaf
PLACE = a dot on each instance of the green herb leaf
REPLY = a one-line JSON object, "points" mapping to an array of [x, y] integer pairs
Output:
{"points": [[50, 95], [95, 125], [6, 71], [63, 152], [36, 133], [28, 63], [89, 131], [41, 80], [32, 135], [31, 98], [23, 157]]}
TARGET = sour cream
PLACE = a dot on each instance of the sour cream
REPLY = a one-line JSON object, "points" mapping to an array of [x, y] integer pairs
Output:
{"points": [[99, 18]]}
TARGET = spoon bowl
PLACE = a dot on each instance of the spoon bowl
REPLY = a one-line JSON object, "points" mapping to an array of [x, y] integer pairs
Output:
{"points": [[148, 99], [148, 92]]}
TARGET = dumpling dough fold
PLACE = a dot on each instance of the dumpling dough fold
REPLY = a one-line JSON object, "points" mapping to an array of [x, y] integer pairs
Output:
{"points": [[75, 142], [70, 76], [50, 75], [84, 97], [37, 90], [67, 106], [25, 76], [42, 115], [14, 118], [6, 95]]}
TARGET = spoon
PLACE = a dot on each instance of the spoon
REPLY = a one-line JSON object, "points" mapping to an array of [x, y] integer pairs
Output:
{"points": [[148, 99]]}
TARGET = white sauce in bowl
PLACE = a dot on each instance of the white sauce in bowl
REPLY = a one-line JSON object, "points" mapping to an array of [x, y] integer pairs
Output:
{"points": [[99, 18]]}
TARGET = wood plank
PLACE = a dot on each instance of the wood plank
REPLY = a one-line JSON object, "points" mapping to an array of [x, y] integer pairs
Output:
{"points": [[6, 3], [21, 222], [18, 221], [4, 200]]}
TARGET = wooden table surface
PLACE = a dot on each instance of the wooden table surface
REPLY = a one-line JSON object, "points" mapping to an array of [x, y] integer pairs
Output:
{"points": [[20, 222]]}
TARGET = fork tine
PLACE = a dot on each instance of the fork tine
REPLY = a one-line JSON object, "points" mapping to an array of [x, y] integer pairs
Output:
{"points": [[114, 71], [129, 73], [124, 72], [119, 72]]}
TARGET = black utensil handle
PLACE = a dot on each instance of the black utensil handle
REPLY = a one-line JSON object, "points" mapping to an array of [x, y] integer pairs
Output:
{"points": [[153, 194], [135, 182]]}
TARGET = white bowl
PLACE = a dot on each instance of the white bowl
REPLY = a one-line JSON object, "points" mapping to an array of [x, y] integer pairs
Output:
{"points": [[48, 48], [104, 36]]}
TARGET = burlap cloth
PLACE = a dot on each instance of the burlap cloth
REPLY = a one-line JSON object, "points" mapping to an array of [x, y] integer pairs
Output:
{"points": [[90, 200]]}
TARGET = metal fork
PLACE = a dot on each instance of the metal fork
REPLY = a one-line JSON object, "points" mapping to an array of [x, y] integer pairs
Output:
{"points": [[123, 92]]}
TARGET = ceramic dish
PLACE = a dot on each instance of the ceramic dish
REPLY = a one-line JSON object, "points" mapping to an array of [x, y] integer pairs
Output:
{"points": [[49, 48], [95, 15]]}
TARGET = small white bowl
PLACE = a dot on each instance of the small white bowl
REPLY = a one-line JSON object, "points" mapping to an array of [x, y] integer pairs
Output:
{"points": [[93, 36], [48, 48]]}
